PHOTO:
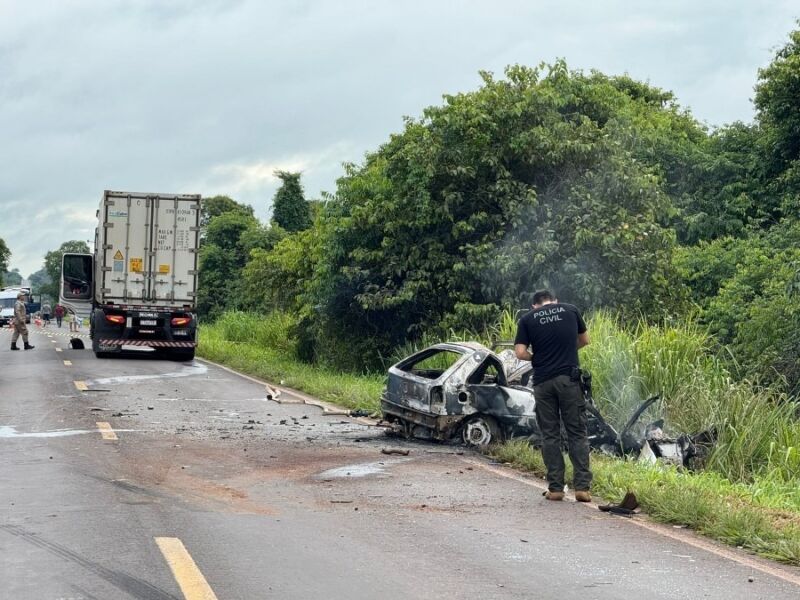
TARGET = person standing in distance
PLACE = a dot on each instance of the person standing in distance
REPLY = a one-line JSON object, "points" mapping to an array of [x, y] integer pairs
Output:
{"points": [[19, 323], [59, 312], [554, 332], [46, 313]]}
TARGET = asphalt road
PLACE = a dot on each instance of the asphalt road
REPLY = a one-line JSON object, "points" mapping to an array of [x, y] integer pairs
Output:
{"points": [[211, 491]]}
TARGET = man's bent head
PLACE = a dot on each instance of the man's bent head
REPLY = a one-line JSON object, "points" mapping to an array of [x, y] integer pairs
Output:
{"points": [[543, 297]]}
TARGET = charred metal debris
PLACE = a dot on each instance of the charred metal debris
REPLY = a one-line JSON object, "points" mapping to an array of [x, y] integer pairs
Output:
{"points": [[465, 391]]}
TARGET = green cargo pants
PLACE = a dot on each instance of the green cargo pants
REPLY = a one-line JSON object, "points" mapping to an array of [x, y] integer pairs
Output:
{"points": [[561, 400]]}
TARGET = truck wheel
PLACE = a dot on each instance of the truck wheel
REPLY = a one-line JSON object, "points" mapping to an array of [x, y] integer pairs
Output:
{"points": [[480, 431], [183, 356], [96, 350]]}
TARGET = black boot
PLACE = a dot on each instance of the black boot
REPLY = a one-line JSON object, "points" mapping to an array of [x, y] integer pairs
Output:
{"points": [[28, 346], [14, 346]]}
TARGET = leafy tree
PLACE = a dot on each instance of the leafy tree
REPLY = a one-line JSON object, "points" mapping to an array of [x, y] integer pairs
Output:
{"points": [[52, 266], [290, 210], [758, 306], [281, 279], [230, 238], [777, 100], [5, 255], [217, 205], [38, 280], [12, 277], [726, 193], [529, 181]]}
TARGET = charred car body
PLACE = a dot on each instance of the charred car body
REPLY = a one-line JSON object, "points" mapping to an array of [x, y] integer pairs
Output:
{"points": [[463, 390]]}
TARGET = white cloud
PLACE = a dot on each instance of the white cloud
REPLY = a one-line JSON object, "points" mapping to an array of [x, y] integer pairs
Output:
{"points": [[211, 96]]}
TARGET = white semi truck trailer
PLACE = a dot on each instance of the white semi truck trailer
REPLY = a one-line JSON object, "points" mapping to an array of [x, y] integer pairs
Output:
{"points": [[139, 288]]}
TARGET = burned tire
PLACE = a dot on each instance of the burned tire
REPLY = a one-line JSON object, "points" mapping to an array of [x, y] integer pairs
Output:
{"points": [[481, 431]]}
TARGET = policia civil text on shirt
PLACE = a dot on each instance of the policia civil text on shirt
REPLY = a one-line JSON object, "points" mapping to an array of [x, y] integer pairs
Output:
{"points": [[554, 331]]}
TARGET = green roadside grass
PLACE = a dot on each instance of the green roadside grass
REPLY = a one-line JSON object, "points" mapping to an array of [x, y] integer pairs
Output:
{"points": [[749, 496], [345, 389]]}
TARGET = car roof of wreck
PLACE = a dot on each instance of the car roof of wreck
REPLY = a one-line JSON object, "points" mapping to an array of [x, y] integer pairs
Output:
{"points": [[460, 347]]}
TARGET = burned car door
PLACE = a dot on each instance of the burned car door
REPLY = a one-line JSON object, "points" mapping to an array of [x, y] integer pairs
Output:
{"points": [[488, 392], [418, 382]]}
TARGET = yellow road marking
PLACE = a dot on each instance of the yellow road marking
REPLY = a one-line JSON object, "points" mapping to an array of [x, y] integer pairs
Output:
{"points": [[67, 363], [54, 341], [81, 385], [106, 431], [191, 581], [58, 349]]}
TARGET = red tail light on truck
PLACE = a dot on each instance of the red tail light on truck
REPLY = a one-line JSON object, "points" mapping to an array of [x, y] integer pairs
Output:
{"points": [[116, 319], [181, 321]]}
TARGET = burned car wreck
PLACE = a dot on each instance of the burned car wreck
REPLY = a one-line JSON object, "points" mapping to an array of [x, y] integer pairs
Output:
{"points": [[465, 391]]}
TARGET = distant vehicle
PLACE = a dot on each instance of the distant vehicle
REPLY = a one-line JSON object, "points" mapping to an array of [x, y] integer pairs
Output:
{"points": [[139, 287], [8, 297]]}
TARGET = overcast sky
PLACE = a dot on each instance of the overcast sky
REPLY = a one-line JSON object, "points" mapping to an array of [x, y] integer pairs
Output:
{"points": [[211, 96]]}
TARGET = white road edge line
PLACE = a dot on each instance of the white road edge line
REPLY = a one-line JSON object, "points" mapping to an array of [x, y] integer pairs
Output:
{"points": [[687, 536], [326, 407]]}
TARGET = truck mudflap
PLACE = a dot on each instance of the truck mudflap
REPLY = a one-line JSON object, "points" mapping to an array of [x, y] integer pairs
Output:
{"points": [[145, 343]]}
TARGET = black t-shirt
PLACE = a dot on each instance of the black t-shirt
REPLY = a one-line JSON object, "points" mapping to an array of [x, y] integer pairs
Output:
{"points": [[552, 333]]}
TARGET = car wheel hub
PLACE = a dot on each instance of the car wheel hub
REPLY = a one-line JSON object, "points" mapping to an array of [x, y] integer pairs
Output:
{"points": [[477, 433]]}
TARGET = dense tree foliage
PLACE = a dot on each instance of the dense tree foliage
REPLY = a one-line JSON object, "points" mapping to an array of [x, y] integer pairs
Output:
{"points": [[38, 280], [12, 277], [530, 181], [215, 206], [747, 281], [599, 187], [5, 255], [290, 210], [230, 234]]}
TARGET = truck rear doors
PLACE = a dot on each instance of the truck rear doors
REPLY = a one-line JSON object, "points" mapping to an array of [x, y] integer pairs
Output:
{"points": [[149, 249]]}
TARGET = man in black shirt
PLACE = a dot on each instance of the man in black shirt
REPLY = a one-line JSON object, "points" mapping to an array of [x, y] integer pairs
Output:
{"points": [[554, 331]]}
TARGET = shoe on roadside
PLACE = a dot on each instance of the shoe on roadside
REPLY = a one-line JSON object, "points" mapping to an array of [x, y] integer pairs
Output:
{"points": [[551, 495], [29, 347], [583, 496]]}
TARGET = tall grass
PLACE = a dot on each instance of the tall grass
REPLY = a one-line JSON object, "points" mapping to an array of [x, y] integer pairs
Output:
{"points": [[749, 492], [263, 346], [757, 428]]}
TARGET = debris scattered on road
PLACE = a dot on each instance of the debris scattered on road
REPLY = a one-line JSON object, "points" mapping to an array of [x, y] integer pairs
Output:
{"points": [[627, 507], [751, 579], [341, 501], [150, 407], [360, 412], [400, 451]]}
